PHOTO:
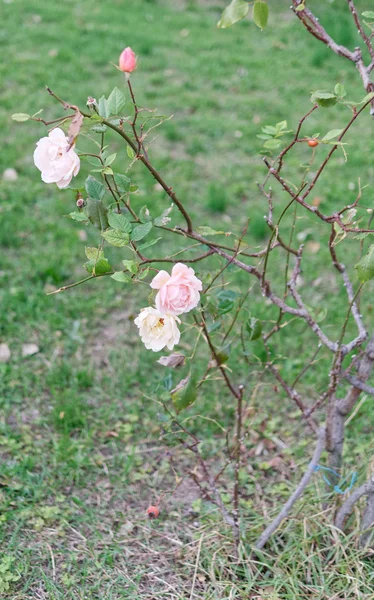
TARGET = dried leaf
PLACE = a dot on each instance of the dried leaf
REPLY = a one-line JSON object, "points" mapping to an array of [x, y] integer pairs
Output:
{"points": [[74, 129], [29, 349], [173, 360]]}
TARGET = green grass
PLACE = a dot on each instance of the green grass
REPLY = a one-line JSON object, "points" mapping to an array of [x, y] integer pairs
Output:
{"points": [[83, 451]]}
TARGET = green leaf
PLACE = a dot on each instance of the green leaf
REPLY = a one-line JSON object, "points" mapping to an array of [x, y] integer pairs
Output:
{"points": [[148, 244], [164, 219], [121, 277], [323, 98], [131, 266], [365, 267], [97, 263], [140, 231], [237, 10], [93, 253], [143, 273], [78, 216], [97, 213], [340, 90], [116, 102], [254, 328], [144, 214], [115, 237], [130, 152], [103, 107], [122, 182], [206, 230], [367, 98], [20, 117], [119, 221], [226, 301], [300, 7], [260, 13], [95, 189], [368, 14], [272, 144], [110, 159], [185, 393], [330, 135]]}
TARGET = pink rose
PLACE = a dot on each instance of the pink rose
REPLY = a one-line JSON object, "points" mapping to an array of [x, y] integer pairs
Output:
{"points": [[52, 159], [127, 61], [178, 292]]}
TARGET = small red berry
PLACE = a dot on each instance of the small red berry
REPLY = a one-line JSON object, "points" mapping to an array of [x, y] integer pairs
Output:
{"points": [[312, 143], [153, 512]]}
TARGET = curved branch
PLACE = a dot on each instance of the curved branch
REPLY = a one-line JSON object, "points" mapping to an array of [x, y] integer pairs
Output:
{"points": [[347, 507], [273, 526]]}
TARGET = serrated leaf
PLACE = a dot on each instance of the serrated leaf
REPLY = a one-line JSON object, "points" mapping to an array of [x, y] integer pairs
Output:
{"points": [[367, 98], [131, 266], [254, 328], [115, 237], [99, 128], [130, 152], [143, 274], [95, 189], [365, 267], [340, 90], [164, 219], [330, 135], [260, 13], [185, 393], [78, 216], [206, 230], [140, 231], [323, 98], [234, 12], [144, 214], [368, 14], [20, 117], [148, 244], [97, 263], [100, 267], [116, 102], [110, 159], [272, 144], [121, 277], [122, 182], [93, 253], [119, 221], [103, 107], [97, 213]]}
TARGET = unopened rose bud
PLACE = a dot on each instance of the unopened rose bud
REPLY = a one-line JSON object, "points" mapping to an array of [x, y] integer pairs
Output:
{"points": [[127, 61], [80, 202], [91, 102]]}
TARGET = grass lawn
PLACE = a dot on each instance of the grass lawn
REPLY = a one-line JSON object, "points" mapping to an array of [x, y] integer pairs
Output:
{"points": [[83, 445]]}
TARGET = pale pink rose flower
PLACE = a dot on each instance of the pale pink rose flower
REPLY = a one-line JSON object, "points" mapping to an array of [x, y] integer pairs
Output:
{"points": [[52, 159], [178, 292], [157, 330], [127, 60]]}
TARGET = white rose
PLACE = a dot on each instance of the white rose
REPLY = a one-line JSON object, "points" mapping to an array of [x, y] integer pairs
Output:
{"points": [[157, 330], [52, 159]]}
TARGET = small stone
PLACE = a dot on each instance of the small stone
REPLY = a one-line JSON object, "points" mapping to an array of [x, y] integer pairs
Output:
{"points": [[4, 353], [10, 175], [29, 349]]}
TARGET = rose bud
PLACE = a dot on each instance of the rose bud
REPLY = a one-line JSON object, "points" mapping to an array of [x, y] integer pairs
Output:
{"points": [[80, 202], [91, 102], [127, 61]]}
